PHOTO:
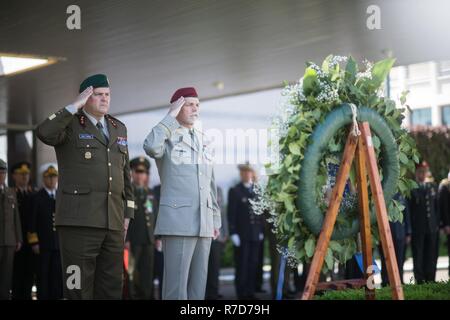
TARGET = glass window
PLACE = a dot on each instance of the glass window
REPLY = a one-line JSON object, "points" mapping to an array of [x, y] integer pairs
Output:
{"points": [[446, 115], [421, 116]]}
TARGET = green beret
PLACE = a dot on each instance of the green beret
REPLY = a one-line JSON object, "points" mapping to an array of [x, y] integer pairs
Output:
{"points": [[140, 163], [3, 165], [96, 81]]}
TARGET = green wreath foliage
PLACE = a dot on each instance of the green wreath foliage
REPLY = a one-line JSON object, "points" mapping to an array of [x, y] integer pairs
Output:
{"points": [[306, 104]]}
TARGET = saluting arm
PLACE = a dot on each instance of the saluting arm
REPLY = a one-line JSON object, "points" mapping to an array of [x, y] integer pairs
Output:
{"points": [[53, 130], [154, 144]]}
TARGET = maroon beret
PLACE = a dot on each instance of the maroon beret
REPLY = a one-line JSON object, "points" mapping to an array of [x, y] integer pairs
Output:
{"points": [[184, 92]]}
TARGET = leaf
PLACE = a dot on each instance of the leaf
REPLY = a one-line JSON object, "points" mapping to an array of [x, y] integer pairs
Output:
{"points": [[403, 158], [309, 247], [309, 81], [351, 69], [326, 63], [294, 148], [403, 97], [335, 246], [380, 71], [376, 142], [329, 259]]}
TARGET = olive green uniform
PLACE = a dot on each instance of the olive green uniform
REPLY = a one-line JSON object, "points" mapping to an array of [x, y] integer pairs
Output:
{"points": [[94, 196], [10, 235]]}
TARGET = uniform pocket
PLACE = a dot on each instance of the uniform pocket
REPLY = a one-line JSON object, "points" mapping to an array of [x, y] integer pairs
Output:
{"points": [[175, 202], [88, 149], [73, 199]]}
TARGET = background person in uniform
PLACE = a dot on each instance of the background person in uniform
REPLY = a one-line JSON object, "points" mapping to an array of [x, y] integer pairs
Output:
{"points": [[444, 206], [158, 270], [10, 233], [246, 233], [43, 231], [188, 216], [141, 239], [215, 255], [424, 214], [399, 231], [25, 261], [95, 198]]}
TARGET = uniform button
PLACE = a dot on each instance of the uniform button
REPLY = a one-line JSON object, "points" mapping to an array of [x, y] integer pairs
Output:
{"points": [[200, 173], [201, 203], [201, 188], [76, 191], [110, 178], [54, 229], [109, 164], [174, 205], [109, 193], [107, 149], [148, 224]]}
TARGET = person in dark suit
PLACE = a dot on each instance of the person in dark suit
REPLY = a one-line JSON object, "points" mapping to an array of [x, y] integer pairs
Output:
{"points": [[215, 254], [246, 232], [10, 233], [25, 262], [43, 231], [444, 206], [424, 213], [399, 231], [141, 238]]}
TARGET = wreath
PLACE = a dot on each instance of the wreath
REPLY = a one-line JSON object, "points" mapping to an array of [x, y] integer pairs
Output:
{"points": [[312, 128]]}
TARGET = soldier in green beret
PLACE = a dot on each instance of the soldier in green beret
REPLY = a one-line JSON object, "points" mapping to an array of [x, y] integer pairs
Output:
{"points": [[10, 233], [94, 201]]}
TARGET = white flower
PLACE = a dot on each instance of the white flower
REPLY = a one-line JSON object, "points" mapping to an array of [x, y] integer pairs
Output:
{"points": [[262, 203]]}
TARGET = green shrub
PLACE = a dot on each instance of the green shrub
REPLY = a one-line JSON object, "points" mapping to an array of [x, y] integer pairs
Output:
{"points": [[427, 291]]}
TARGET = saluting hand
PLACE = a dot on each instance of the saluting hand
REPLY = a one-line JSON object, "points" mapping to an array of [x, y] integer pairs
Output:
{"points": [[175, 107], [83, 97]]}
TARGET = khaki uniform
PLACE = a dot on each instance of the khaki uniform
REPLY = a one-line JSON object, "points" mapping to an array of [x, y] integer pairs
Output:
{"points": [[188, 210], [94, 196], [10, 235]]}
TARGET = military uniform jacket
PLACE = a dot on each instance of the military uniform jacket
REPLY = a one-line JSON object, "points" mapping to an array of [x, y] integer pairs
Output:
{"points": [[444, 201], [24, 203], [94, 176], [10, 225], [43, 221], [424, 211], [141, 230], [188, 203], [241, 218]]}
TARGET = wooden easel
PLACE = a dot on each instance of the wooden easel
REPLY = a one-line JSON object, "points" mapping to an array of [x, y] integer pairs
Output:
{"points": [[365, 158]]}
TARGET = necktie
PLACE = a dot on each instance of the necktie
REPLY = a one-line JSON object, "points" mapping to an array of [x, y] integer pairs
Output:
{"points": [[194, 143], [52, 195], [100, 127]]}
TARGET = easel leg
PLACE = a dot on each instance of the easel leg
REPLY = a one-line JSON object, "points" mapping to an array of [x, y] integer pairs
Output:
{"points": [[330, 218], [364, 220], [382, 217]]}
